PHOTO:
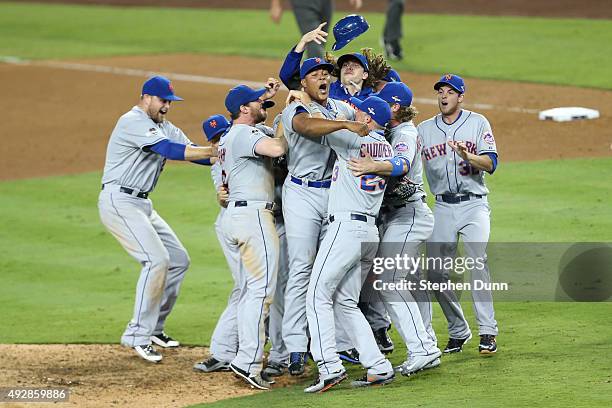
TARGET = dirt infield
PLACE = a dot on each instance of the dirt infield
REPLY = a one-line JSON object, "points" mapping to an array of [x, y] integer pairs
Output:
{"points": [[59, 120], [113, 376], [540, 8]]}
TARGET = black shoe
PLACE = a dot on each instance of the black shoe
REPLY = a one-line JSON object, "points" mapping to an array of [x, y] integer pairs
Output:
{"points": [[487, 344], [255, 381], [393, 50], [275, 369], [165, 341], [350, 356], [212, 365], [456, 345], [297, 363], [385, 344]]}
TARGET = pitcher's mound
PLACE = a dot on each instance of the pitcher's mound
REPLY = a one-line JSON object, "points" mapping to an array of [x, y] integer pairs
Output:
{"points": [[111, 375]]}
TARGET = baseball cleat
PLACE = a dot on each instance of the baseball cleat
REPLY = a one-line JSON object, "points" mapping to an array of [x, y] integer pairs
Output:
{"points": [[255, 381], [275, 369], [211, 365], [487, 345], [456, 345], [433, 364], [369, 380], [322, 384], [385, 344], [297, 363], [417, 363], [350, 356], [165, 341], [148, 353], [393, 50]]}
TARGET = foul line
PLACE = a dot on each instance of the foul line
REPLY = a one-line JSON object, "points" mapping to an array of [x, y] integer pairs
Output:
{"points": [[74, 66]]}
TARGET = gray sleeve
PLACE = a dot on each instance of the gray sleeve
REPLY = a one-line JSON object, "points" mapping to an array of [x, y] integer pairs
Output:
{"points": [[140, 134], [346, 110], [486, 141], [406, 145], [288, 113], [267, 130], [342, 142], [244, 144]]}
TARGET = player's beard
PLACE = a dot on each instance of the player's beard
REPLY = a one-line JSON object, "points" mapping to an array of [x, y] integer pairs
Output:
{"points": [[258, 116]]}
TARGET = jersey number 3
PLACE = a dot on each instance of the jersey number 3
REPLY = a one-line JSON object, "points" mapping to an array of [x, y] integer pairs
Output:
{"points": [[372, 182], [465, 169]]}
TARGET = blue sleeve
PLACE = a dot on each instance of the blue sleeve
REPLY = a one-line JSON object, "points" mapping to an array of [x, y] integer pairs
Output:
{"points": [[493, 157], [203, 162], [290, 71], [170, 150]]}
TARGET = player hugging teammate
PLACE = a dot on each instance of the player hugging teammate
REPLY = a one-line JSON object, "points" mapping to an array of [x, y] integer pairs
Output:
{"points": [[304, 205]]}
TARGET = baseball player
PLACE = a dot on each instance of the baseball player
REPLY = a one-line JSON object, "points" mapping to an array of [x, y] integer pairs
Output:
{"points": [[224, 341], [307, 188], [346, 254], [248, 222], [138, 148], [405, 224], [354, 69], [458, 148]]}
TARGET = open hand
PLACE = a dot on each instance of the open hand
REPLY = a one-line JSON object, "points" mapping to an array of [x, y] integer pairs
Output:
{"points": [[460, 148], [362, 165]]}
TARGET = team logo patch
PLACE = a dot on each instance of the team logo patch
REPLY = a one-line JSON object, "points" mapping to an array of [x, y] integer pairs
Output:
{"points": [[371, 111], [171, 87], [317, 60], [448, 77], [213, 124], [488, 138], [152, 132], [396, 98], [401, 147]]}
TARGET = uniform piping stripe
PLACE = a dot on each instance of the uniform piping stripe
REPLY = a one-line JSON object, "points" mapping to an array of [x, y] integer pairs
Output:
{"points": [[398, 292], [315, 289], [459, 127], [263, 238], [148, 259]]}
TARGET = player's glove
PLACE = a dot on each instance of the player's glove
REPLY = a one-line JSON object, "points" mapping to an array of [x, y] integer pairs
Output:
{"points": [[403, 189]]}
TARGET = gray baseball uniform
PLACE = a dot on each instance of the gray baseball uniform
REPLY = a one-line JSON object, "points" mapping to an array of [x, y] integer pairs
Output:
{"points": [[461, 209], [308, 161], [131, 172], [248, 227], [279, 352], [224, 341], [345, 257], [406, 223]]}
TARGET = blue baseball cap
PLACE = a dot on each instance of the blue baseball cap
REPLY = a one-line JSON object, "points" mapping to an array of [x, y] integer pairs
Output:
{"points": [[347, 29], [377, 108], [214, 125], [392, 76], [358, 56], [241, 95], [161, 87], [314, 63], [454, 81], [396, 92]]}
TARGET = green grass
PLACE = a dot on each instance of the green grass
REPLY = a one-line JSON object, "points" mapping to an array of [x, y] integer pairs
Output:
{"points": [[557, 51], [66, 280]]}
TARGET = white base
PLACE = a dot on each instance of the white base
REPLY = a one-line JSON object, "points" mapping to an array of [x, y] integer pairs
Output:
{"points": [[568, 114]]}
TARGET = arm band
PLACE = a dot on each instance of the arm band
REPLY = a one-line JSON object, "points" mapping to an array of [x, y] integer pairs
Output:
{"points": [[398, 166], [203, 162], [493, 157], [170, 150]]}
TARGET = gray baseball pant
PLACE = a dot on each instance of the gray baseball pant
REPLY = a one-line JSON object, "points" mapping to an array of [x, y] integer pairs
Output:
{"points": [[469, 220], [151, 241]]}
